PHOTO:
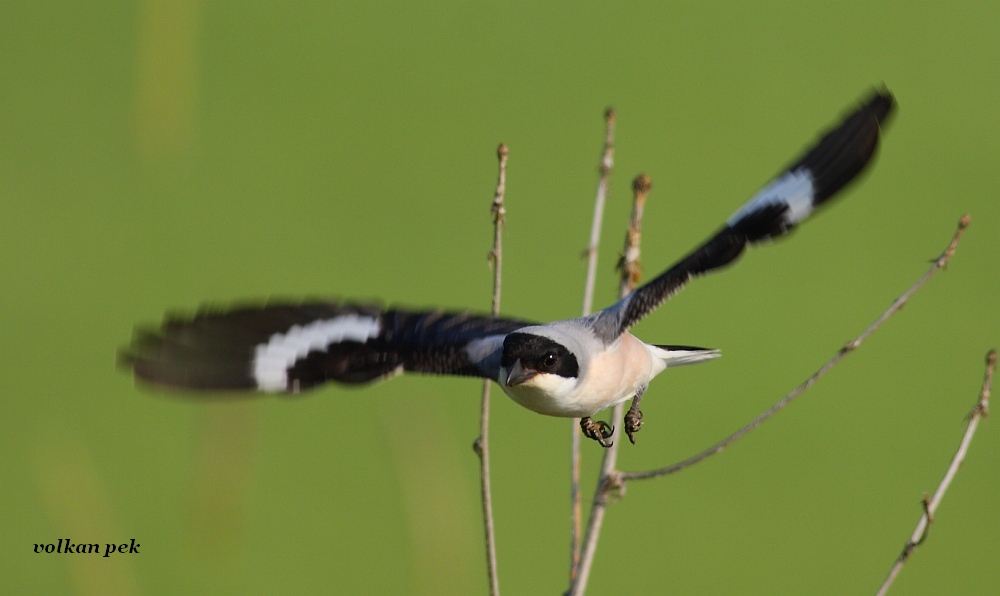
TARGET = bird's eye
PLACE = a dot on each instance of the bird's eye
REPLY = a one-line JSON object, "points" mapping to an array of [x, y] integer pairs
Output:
{"points": [[550, 360]]}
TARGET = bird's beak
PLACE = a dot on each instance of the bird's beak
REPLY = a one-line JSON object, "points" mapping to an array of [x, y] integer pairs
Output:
{"points": [[518, 374]]}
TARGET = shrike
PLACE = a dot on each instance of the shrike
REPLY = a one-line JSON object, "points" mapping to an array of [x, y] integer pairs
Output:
{"points": [[572, 368]]}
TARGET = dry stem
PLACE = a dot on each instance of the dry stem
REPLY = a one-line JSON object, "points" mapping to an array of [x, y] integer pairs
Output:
{"points": [[930, 505], [481, 445], [941, 261], [630, 269], [607, 163], [605, 166]]}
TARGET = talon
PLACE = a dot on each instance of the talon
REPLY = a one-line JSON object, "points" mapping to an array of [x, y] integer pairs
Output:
{"points": [[598, 431], [633, 422]]}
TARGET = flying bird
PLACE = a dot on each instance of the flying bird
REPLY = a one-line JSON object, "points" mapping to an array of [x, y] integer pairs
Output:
{"points": [[572, 368]]}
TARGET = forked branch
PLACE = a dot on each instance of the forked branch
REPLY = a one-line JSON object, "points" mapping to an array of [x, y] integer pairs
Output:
{"points": [[630, 269], [614, 481]]}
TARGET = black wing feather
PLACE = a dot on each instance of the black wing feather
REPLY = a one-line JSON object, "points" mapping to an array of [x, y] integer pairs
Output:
{"points": [[846, 151], [215, 349], [836, 160]]}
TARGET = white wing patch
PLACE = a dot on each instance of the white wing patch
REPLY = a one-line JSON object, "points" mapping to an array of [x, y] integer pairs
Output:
{"points": [[273, 359], [794, 189]]}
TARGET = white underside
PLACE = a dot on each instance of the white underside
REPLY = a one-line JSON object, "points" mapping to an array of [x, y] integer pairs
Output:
{"points": [[612, 377], [273, 359]]}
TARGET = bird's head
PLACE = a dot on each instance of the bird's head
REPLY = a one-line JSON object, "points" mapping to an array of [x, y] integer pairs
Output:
{"points": [[533, 359]]}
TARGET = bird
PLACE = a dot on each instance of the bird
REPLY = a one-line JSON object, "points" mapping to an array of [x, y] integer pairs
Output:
{"points": [[569, 368]]}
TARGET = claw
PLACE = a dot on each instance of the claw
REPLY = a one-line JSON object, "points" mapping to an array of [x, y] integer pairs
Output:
{"points": [[598, 431], [633, 419], [633, 422]]}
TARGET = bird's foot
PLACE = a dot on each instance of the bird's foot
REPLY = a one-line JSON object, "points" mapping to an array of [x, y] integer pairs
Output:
{"points": [[633, 422], [597, 430]]}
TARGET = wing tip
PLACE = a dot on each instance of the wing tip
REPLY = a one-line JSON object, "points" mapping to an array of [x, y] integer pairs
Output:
{"points": [[849, 149], [881, 103]]}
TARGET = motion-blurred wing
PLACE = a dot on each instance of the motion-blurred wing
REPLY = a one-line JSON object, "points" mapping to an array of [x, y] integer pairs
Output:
{"points": [[835, 161], [292, 347]]}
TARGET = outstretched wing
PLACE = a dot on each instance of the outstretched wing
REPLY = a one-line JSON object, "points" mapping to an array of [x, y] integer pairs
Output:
{"points": [[291, 347], [838, 157]]}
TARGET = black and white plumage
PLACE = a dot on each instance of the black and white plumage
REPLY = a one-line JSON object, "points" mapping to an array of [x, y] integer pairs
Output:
{"points": [[574, 367]]}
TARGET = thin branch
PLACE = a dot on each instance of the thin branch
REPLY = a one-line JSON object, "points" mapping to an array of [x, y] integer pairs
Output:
{"points": [[604, 167], [630, 270], [940, 262], [930, 505], [482, 444]]}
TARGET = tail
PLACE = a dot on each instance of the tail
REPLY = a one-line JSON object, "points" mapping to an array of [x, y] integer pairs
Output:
{"points": [[681, 355]]}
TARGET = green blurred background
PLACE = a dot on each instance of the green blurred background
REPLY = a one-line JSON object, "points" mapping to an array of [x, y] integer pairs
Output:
{"points": [[158, 155]]}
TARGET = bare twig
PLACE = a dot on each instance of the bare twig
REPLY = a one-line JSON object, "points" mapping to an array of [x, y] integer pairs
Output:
{"points": [[630, 269], [930, 505], [574, 495], [939, 262], [607, 163], [605, 166], [481, 445]]}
